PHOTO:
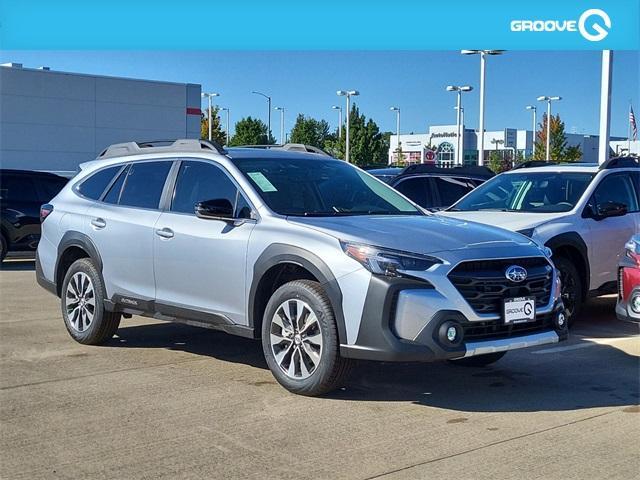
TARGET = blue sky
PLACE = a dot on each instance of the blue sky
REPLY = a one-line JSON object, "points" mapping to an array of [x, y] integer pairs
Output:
{"points": [[305, 82]]}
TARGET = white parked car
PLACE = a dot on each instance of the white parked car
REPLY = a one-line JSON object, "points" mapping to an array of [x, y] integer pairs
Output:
{"points": [[584, 212]]}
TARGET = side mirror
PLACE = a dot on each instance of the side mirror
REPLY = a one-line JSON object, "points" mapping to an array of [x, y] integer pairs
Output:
{"points": [[611, 209], [217, 209]]}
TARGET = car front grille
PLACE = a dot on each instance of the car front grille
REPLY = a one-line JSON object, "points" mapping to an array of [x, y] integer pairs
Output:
{"points": [[495, 329], [484, 286]]}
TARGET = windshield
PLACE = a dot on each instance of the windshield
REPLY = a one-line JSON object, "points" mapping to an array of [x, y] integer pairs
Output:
{"points": [[318, 187], [527, 192]]}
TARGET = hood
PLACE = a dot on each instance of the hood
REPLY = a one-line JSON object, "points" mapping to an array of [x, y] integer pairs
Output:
{"points": [[513, 221], [417, 234]]}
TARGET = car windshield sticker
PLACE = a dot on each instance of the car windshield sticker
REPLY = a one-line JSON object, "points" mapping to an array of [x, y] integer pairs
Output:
{"points": [[262, 182]]}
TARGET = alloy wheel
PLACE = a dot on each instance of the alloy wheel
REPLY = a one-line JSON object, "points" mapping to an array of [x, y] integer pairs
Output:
{"points": [[296, 339], [80, 301]]}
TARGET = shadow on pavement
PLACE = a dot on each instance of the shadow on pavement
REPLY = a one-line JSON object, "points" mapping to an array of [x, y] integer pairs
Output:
{"points": [[18, 265], [585, 377]]}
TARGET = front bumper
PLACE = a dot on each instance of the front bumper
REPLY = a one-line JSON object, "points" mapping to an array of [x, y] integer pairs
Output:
{"points": [[623, 309], [403, 320]]}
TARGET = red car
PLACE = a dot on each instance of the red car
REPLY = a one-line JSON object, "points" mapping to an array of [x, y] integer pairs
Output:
{"points": [[628, 307]]}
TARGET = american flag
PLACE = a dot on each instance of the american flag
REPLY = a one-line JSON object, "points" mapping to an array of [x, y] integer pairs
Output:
{"points": [[632, 124]]}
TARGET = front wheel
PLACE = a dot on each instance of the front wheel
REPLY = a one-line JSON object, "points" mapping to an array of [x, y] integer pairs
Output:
{"points": [[571, 288], [300, 339], [479, 360]]}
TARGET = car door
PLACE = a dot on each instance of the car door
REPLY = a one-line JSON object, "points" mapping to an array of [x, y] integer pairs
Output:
{"points": [[200, 264], [608, 235], [121, 226]]}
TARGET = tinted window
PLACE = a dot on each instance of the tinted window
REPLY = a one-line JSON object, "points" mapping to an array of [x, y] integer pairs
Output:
{"points": [[417, 190], [93, 186], [452, 189], [144, 183], [319, 187], [113, 195], [200, 181], [50, 187], [528, 192], [18, 188], [617, 188]]}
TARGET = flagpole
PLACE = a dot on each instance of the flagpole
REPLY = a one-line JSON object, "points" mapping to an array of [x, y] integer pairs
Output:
{"points": [[629, 134]]}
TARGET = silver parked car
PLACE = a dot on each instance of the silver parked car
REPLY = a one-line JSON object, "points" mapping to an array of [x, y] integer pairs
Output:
{"points": [[319, 259]]}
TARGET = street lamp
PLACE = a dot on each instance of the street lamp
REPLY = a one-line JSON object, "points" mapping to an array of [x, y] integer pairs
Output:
{"points": [[225, 109], [348, 94], [336, 107], [533, 111], [460, 142], [483, 54], [269, 113], [281, 109], [209, 96], [397, 110], [544, 98]]}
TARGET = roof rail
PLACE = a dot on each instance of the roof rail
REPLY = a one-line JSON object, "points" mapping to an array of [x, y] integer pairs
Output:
{"points": [[620, 162], [160, 146], [476, 170], [291, 147], [534, 163]]}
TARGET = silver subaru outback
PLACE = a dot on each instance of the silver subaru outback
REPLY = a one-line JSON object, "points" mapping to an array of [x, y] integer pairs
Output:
{"points": [[320, 260]]}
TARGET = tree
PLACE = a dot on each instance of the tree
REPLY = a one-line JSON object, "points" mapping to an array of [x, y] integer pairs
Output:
{"points": [[217, 134], [498, 163], [560, 152], [251, 131], [310, 131], [367, 143]]}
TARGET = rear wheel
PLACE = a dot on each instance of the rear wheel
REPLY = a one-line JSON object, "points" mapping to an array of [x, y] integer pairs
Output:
{"points": [[571, 288], [83, 310], [4, 246], [479, 360], [300, 339]]}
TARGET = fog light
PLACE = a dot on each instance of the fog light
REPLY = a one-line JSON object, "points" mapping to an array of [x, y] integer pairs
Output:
{"points": [[452, 333], [635, 303], [561, 320]]}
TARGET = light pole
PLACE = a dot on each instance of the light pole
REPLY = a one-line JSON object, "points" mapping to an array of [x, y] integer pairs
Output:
{"points": [[461, 128], [460, 144], [533, 112], [225, 109], [483, 54], [544, 98], [348, 94], [269, 113], [336, 107], [397, 110], [209, 96], [281, 109]]}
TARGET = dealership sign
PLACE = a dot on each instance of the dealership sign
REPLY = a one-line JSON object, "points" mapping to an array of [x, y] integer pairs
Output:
{"points": [[593, 24]]}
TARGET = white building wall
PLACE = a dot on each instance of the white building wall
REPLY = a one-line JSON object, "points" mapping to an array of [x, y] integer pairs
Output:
{"points": [[54, 120]]}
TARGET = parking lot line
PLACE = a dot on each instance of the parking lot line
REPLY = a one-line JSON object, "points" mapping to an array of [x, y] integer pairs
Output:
{"points": [[587, 342]]}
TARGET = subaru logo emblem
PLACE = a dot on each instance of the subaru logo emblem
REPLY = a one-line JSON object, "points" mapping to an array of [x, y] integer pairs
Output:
{"points": [[516, 274]]}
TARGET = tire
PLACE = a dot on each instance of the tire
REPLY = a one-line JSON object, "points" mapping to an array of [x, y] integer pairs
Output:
{"points": [[572, 292], [4, 246], [479, 360], [304, 358], [82, 302]]}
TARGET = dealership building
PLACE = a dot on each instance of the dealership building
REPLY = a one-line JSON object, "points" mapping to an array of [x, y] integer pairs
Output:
{"points": [[440, 143], [54, 121]]}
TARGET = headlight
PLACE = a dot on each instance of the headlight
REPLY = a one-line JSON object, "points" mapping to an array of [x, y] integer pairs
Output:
{"points": [[527, 232], [383, 261]]}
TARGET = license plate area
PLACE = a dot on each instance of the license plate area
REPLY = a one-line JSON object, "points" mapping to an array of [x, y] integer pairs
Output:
{"points": [[519, 310]]}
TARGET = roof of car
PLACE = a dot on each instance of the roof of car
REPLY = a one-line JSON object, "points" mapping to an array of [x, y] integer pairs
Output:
{"points": [[566, 167], [238, 153], [5, 171], [385, 171]]}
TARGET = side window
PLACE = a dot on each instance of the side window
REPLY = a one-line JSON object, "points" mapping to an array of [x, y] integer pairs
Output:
{"points": [[200, 181], [452, 189], [50, 187], [616, 188], [113, 195], [93, 186], [416, 189], [144, 183], [18, 188]]}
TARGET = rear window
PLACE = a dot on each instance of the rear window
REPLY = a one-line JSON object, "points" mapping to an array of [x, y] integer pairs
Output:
{"points": [[94, 186], [50, 187], [144, 183]]}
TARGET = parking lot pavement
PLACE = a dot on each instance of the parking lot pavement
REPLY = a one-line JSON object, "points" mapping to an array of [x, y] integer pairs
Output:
{"points": [[171, 401]]}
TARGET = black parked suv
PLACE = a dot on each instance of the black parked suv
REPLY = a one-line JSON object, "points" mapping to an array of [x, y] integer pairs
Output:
{"points": [[21, 194], [432, 187]]}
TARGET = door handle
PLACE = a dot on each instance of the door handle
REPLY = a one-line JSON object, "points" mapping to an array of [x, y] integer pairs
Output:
{"points": [[98, 223], [164, 232]]}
